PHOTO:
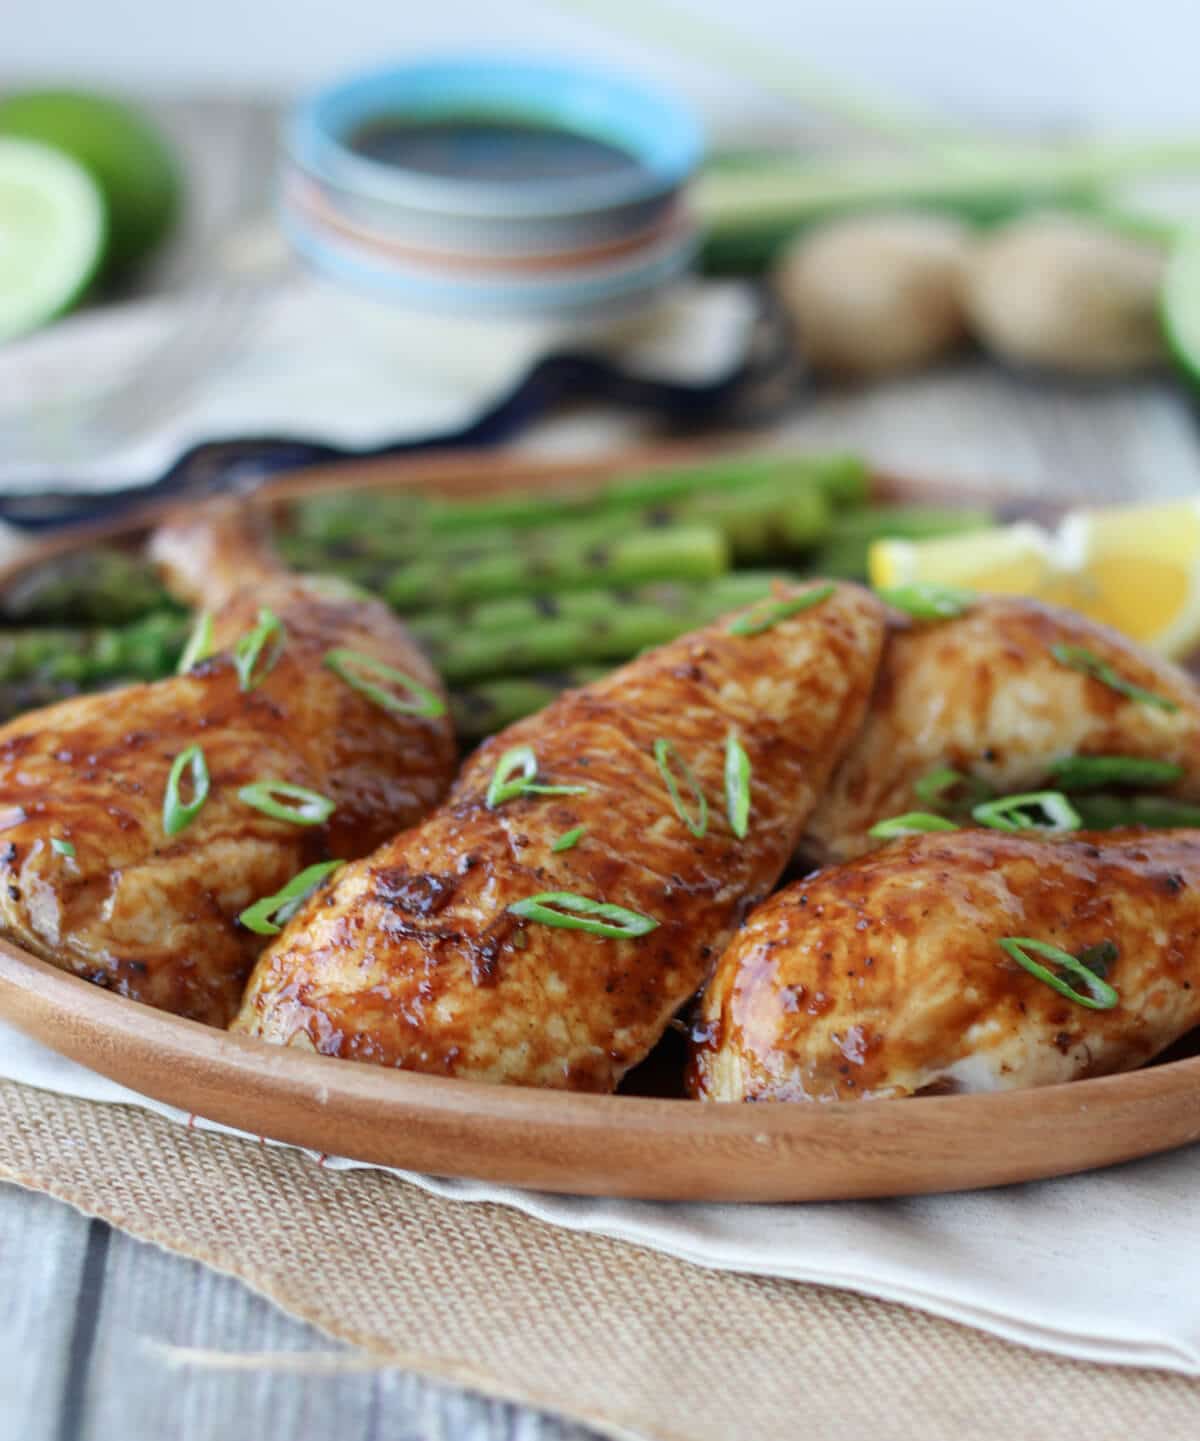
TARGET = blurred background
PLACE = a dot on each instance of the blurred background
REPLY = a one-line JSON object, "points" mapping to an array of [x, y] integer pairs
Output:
{"points": [[1023, 63]]}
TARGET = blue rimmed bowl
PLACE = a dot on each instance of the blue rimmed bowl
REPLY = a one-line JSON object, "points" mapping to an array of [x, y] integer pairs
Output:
{"points": [[492, 183]]}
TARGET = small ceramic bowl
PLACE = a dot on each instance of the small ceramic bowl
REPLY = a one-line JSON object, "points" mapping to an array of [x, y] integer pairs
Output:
{"points": [[492, 183]]}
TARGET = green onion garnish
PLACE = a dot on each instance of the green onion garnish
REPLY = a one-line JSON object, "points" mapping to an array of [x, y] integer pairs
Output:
{"points": [[1101, 996], [1087, 773], [61, 847], [767, 613], [597, 917], [568, 839], [663, 752], [311, 810], [912, 823], [176, 813], [1078, 657], [514, 776], [933, 786], [925, 600], [737, 785], [1009, 813], [514, 770], [269, 916], [361, 672], [248, 649], [200, 643]]}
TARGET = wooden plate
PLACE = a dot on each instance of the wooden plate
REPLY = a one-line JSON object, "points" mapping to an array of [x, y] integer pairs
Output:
{"points": [[592, 1145]]}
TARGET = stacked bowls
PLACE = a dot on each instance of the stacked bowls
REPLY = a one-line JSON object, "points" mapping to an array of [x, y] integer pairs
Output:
{"points": [[493, 186]]}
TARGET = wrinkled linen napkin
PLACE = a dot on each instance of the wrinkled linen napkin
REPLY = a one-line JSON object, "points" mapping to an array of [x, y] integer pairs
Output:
{"points": [[1102, 1267]]}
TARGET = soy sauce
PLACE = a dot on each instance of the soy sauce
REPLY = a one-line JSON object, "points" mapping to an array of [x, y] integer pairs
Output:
{"points": [[489, 150]]}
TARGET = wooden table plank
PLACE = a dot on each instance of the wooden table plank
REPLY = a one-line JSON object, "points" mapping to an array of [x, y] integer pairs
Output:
{"points": [[48, 1260], [152, 1299]]}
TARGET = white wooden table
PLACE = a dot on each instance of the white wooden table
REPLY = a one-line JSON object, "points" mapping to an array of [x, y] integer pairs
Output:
{"points": [[79, 1301]]}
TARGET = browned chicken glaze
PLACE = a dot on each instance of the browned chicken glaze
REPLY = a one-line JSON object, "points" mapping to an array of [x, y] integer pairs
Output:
{"points": [[154, 916], [413, 958], [985, 695], [885, 977]]}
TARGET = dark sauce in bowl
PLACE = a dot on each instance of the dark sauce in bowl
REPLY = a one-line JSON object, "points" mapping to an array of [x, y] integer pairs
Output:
{"points": [[488, 150]]}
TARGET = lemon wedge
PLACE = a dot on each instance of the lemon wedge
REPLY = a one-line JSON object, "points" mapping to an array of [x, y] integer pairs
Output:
{"points": [[1012, 560], [1136, 568]]}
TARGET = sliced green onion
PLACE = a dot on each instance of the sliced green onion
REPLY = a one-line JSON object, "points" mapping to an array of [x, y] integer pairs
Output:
{"points": [[925, 600], [1086, 773], [912, 823], [568, 839], [61, 847], [933, 786], [514, 770], [354, 668], [200, 643], [177, 813], [269, 916], [1100, 997], [1078, 657], [248, 649], [663, 752], [737, 785], [514, 776], [767, 613], [1008, 813], [312, 810], [583, 914]]}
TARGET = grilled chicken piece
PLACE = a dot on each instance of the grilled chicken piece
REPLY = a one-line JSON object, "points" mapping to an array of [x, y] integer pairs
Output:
{"points": [[155, 916], [985, 695], [885, 976], [413, 958]]}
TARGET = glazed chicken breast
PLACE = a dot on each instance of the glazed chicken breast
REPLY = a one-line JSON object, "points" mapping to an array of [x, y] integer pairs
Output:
{"points": [[886, 976], [90, 878], [452, 949], [985, 695]]}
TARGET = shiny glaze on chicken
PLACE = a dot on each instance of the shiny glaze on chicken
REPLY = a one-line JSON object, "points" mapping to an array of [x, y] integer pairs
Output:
{"points": [[984, 695], [155, 917], [412, 957], [884, 976]]}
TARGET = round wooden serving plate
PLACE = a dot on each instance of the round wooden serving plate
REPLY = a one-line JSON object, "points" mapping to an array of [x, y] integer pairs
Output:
{"points": [[595, 1145]]}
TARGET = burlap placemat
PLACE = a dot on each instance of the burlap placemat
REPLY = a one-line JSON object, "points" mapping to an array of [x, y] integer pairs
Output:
{"points": [[621, 1338]]}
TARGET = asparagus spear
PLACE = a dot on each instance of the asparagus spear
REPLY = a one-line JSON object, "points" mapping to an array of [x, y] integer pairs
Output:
{"points": [[102, 586], [403, 525], [143, 650], [685, 553], [545, 632]]}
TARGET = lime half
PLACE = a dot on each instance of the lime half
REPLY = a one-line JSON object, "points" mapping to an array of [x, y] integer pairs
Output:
{"points": [[52, 234], [1181, 304]]}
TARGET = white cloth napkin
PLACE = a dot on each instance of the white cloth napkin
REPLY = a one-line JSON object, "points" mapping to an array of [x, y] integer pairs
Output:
{"points": [[1101, 1267]]}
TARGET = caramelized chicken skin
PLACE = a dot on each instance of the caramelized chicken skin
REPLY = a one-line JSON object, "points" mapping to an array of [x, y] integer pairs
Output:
{"points": [[153, 916], [885, 977], [412, 957], [985, 695]]}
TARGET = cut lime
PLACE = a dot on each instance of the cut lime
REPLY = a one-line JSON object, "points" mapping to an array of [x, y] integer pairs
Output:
{"points": [[128, 157], [1181, 304], [52, 234]]}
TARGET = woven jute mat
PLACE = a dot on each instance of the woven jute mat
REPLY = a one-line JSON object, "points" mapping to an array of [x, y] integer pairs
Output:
{"points": [[616, 1336]]}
